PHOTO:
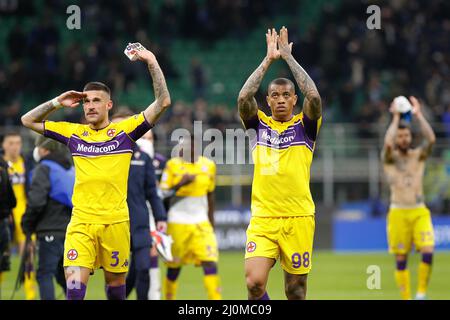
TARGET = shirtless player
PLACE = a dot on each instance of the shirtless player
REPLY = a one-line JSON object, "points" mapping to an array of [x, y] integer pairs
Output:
{"points": [[408, 220]]}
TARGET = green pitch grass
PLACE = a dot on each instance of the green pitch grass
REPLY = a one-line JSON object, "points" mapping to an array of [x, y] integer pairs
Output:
{"points": [[334, 276]]}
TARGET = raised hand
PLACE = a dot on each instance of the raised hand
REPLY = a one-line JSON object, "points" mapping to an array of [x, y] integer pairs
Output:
{"points": [[146, 56], [393, 109], [284, 47], [71, 98], [271, 39], [416, 107]]}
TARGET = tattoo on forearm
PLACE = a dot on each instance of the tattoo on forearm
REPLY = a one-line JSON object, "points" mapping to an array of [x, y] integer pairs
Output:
{"points": [[306, 85], [304, 81], [426, 129], [159, 86], [41, 112], [246, 103], [391, 131]]}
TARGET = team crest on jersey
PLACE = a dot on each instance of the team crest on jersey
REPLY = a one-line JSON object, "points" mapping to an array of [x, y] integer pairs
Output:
{"points": [[72, 254], [251, 246], [111, 132], [85, 134]]}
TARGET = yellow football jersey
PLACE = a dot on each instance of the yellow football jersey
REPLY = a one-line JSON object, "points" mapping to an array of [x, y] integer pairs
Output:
{"points": [[17, 174], [204, 182], [102, 161], [190, 204], [282, 154]]}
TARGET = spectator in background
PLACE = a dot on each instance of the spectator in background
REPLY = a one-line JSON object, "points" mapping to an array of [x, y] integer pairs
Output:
{"points": [[18, 170], [7, 204], [168, 21], [190, 26], [446, 121], [10, 116], [48, 212], [198, 78], [16, 40]]}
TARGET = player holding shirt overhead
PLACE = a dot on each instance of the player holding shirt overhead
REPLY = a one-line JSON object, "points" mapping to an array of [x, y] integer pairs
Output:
{"points": [[99, 232], [282, 223], [408, 220]]}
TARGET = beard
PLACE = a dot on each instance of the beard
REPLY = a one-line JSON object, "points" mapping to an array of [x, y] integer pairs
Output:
{"points": [[404, 148]]}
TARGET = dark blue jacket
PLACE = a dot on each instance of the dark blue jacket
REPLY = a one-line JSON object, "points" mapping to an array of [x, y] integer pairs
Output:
{"points": [[142, 187], [49, 205]]}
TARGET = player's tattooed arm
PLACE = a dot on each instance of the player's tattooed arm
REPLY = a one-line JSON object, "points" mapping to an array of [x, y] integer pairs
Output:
{"points": [[162, 96], [312, 105], [34, 118], [248, 108], [427, 132], [389, 138]]}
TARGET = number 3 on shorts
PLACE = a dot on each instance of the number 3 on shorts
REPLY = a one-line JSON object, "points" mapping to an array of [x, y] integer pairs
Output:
{"points": [[115, 256], [297, 260]]}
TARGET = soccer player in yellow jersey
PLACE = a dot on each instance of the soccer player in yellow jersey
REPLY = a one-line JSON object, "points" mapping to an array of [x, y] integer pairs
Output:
{"points": [[408, 220], [282, 223], [190, 178], [12, 146], [98, 234]]}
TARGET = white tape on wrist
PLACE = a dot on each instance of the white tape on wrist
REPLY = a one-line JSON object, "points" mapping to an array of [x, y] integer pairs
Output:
{"points": [[56, 103]]}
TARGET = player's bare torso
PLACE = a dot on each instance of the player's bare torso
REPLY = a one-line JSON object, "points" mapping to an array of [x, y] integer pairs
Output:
{"points": [[405, 178]]}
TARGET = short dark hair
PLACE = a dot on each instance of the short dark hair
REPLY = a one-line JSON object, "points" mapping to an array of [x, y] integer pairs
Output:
{"points": [[97, 86], [123, 113], [10, 133], [281, 82]]}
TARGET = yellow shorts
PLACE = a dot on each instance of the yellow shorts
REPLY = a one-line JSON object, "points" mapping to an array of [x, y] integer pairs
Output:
{"points": [[19, 236], [192, 243], [288, 238], [98, 245], [407, 226]]}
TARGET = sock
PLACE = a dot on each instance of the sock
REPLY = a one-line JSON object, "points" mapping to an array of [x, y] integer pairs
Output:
{"points": [[402, 279], [154, 293], [29, 286], [265, 296], [74, 293], [212, 283], [170, 283], [116, 292], [424, 274]]}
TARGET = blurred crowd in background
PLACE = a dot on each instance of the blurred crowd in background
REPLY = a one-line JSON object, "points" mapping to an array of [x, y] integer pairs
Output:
{"points": [[357, 70]]}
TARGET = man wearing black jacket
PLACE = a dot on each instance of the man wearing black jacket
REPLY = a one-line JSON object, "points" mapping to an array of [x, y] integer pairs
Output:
{"points": [[48, 212], [141, 187], [7, 203]]}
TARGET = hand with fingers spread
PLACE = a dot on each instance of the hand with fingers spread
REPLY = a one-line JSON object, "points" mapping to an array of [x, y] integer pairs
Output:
{"points": [[272, 50], [284, 47], [71, 98]]}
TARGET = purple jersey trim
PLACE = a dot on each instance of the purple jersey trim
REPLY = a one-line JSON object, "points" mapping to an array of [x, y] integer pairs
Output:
{"points": [[141, 129], [119, 144], [55, 136], [310, 127], [294, 135]]}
